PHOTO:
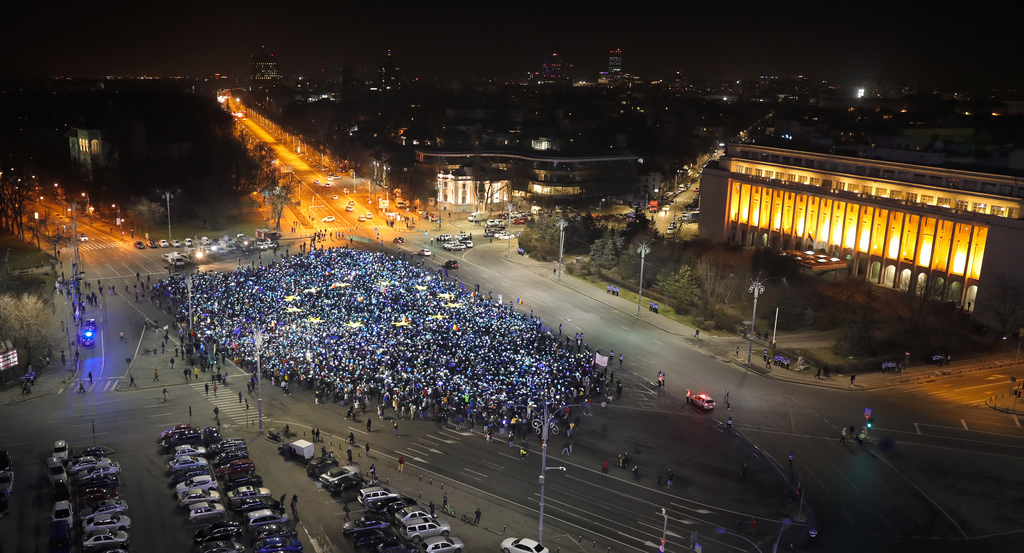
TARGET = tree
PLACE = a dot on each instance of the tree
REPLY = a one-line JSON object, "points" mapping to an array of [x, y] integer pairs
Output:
{"points": [[681, 286], [918, 308], [855, 338], [145, 212], [1004, 303], [278, 196], [716, 287], [607, 250], [25, 320]]}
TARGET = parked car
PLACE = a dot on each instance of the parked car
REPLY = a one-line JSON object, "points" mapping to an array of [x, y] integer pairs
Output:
{"points": [[451, 264], [522, 545], [176, 243], [328, 219], [105, 507], [398, 240], [366, 523], [247, 504], [236, 467], [105, 540], [319, 465], [140, 245], [97, 495], [275, 544], [441, 544], [211, 436], [278, 529], [189, 450], [233, 481], [370, 537], [179, 477], [107, 521], [6, 481], [259, 517], [152, 244], [61, 450], [226, 445], [229, 456], [62, 511], [419, 529], [221, 546], [197, 495], [189, 462], [225, 530], [111, 469], [205, 482], [165, 244], [54, 469], [61, 491], [350, 482], [206, 512], [336, 473], [243, 492]]}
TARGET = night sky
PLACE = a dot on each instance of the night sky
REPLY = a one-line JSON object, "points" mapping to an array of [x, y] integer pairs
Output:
{"points": [[841, 41]]}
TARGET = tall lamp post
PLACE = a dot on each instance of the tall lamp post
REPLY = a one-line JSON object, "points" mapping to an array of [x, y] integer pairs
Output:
{"points": [[257, 340], [544, 465], [643, 250], [756, 288], [508, 217], [167, 196], [562, 223]]}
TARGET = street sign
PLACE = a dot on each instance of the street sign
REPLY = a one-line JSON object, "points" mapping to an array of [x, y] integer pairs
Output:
{"points": [[867, 412]]}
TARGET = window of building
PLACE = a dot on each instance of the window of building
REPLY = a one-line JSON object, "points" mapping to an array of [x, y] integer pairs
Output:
{"points": [[970, 185], [943, 202], [1005, 190], [775, 158], [998, 210], [881, 192], [786, 160], [759, 172], [820, 164], [815, 181], [980, 207], [832, 166], [961, 204], [888, 174], [1011, 212], [988, 188], [859, 170], [934, 181], [852, 187], [1020, 192], [896, 194], [903, 176], [95, 147], [953, 183], [911, 197], [874, 172], [928, 200], [866, 190]]}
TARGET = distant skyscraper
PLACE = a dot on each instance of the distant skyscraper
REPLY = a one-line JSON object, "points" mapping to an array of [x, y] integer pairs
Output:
{"points": [[263, 71], [390, 80], [552, 67], [615, 63]]}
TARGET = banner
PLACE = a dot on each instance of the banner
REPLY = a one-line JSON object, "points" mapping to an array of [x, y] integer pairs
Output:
{"points": [[600, 360], [9, 359]]}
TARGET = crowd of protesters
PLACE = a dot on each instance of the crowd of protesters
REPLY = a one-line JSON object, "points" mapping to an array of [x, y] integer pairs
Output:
{"points": [[353, 325]]}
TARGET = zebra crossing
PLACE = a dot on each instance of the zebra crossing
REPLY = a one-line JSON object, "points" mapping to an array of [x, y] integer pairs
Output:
{"points": [[92, 246], [226, 400]]}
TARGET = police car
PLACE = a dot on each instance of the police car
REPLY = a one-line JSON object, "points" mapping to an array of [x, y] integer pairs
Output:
{"points": [[89, 332]]}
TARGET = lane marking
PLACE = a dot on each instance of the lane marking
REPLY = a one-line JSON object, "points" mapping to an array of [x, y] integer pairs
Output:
{"points": [[963, 422]]}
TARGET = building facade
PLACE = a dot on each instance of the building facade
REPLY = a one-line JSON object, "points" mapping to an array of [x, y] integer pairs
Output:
{"points": [[539, 178], [896, 224], [89, 148], [263, 71]]}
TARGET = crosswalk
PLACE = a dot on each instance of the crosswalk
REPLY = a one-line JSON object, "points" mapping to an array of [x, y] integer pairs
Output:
{"points": [[92, 246], [226, 400]]}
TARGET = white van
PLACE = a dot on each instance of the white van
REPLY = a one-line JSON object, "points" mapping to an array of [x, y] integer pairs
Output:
{"points": [[479, 216]]}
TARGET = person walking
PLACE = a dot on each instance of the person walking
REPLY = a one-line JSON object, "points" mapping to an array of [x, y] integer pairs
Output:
{"points": [[346, 510], [401, 463], [445, 499], [214, 389], [791, 456], [842, 437], [431, 509], [476, 519], [284, 497], [207, 388], [368, 423], [367, 449], [131, 381], [636, 473], [395, 423], [604, 467], [350, 456], [156, 376], [668, 480], [295, 503]]}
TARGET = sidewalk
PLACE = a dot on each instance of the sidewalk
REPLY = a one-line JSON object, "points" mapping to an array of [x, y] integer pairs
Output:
{"points": [[724, 347]]}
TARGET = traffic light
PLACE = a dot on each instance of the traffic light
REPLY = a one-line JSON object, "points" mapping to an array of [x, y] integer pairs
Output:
{"points": [[871, 422]]}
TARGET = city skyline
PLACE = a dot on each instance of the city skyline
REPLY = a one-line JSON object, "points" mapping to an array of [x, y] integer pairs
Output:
{"points": [[465, 41]]}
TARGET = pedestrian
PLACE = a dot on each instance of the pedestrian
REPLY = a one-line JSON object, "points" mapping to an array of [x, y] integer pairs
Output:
{"points": [[239, 396], [131, 381], [207, 388], [395, 423], [668, 480], [367, 449], [636, 473], [659, 479], [476, 520], [295, 502], [842, 437], [284, 497], [728, 424], [350, 456], [620, 360], [445, 499], [696, 333], [852, 378], [511, 440], [743, 470], [791, 456], [216, 412], [346, 509], [156, 376], [214, 389], [565, 447], [368, 422], [604, 467], [401, 463], [618, 390], [753, 526], [431, 509]]}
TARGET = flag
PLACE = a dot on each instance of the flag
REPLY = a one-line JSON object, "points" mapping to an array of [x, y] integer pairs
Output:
{"points": [[455, 328], [520, 300], [600, 360]]}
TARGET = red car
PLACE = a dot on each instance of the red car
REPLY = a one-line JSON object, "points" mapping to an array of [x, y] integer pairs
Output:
{"points": [[96, 495], [61, 492], [520, 220], [399, 240], [241, 466], [177, 428]]}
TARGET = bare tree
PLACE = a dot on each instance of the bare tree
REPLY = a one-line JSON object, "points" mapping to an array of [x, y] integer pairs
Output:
{"points": [[145, 212], [278, 197], [25, 320], [1004, 303], [917, 308]]}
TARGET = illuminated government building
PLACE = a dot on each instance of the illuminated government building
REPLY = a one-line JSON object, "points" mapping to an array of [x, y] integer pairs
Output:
{"points": [[898, 225]]}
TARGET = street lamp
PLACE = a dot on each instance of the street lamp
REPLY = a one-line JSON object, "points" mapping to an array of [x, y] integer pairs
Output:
{"points": [[562, 223], [167, 196], [257, 340], [643, 250], [508, 217], [756, 288]]}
